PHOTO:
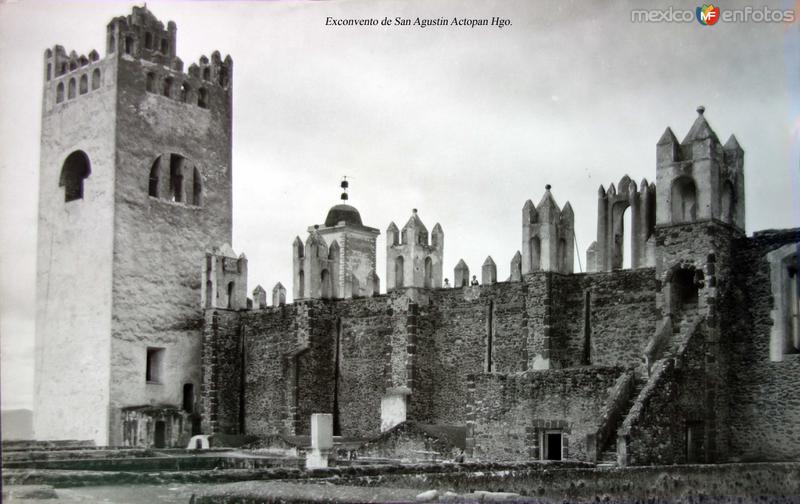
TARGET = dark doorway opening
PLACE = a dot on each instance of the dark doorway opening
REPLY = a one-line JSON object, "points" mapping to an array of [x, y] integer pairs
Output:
{"points": [[552, 446], [188, 397], [694, 442], [685, 287], [196, 426], [160, 437]]}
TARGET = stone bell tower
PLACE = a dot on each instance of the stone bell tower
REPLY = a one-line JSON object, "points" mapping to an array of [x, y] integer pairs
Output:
{"points": [[337, 260], [135, 186]]}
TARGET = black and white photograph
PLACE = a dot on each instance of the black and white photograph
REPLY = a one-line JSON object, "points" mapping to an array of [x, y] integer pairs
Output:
{"points": [[390, 251]]}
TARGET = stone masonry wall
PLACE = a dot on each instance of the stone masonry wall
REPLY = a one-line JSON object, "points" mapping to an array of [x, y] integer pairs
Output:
{"points": [[765, 407], [222, 365], [159, 244], [74, 264], [511, 411], [622, 316]]}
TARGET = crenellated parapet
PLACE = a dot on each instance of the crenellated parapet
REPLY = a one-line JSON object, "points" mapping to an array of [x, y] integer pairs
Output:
{"points": [[606, 254], [548, 237], [138, 38], [412, 260]]}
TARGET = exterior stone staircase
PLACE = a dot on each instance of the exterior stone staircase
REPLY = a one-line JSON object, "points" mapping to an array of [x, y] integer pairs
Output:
{"points": [[682, 327], [608, 457]]}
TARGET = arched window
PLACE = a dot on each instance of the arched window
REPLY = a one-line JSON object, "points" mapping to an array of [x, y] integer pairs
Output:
{"points": [[684, 284], [96, 78], [185, 92], [76, 168], [151, 82], [167, 90], [73, 65], [111, 43], [164, 46], [684, 200], [84, 84], [128, 45], [428, 281], [197, 188], [726, 203], [202, 98], [155, 172], [326, 287], [536, 253], [206, 73], [176, 177], [60, 92], [399, 281], [148, 40], [71, 89], [209, 294], [231, 286]]}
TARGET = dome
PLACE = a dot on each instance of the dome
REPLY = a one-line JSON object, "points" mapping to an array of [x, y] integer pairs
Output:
{"points": [[345, 213]]}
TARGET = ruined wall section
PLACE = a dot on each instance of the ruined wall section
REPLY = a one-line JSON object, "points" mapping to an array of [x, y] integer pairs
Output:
{"points": [[270, 348], [222, 363], [622, 317], [511, 411], [74, 253], [160, 241], [765, 412], [452, 342], [373, 358]]}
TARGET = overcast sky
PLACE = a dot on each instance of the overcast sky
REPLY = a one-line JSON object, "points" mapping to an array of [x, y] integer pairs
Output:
{"points": [[462, 123]]}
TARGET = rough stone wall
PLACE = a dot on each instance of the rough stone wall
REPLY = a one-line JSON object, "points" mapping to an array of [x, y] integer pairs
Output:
{"points": [[269, 343], [159, 245], [727, 483], [427, 343], [765, 409], [222, 365], [622, 317], [707, 246], [367, 326], [74, 258], [511, 410], [655, 430], [452, 343]]}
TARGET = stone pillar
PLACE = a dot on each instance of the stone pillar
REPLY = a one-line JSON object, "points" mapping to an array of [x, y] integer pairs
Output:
{"points": [[489, 272], [278, 295], [259, 298], [516, 267], [461, 274]]}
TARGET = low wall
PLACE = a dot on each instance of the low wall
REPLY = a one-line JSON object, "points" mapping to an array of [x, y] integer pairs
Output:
{"points": [[510, 412], [774, 483]]}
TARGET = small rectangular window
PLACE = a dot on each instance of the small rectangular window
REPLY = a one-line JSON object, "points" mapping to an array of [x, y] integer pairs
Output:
{"points": [[155, 365]]}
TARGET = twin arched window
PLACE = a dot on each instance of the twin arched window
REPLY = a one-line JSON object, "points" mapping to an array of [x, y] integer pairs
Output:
{"points": [[175, 178]]}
